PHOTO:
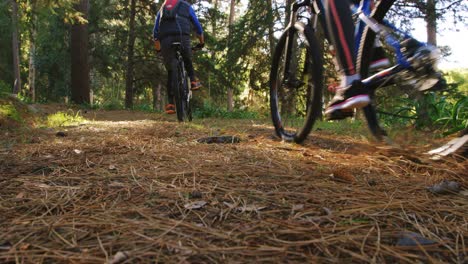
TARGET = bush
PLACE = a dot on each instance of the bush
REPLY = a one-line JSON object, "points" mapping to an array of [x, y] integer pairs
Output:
{"points": [[209, 110], [8, 110], [61, 119], [113, 104], [5, 89]]}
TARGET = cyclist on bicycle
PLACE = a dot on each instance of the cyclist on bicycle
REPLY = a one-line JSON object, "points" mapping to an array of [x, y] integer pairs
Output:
{"points": [[173, 24], [351, 93]]}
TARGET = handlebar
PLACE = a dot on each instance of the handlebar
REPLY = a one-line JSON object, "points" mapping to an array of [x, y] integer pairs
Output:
{"points": [[177, 45], [198, 47]]}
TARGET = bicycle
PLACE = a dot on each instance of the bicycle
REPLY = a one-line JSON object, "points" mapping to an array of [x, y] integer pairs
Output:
{"points": [[182, 91], [181, 85], [298, 53]]}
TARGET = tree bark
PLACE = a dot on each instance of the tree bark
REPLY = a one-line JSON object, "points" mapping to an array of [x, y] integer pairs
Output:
{"points": [[15, 44], [271, 24], [288, 12], [431, 22], [214, 28], [32, 54], [80, 80], [230, 90], [157, 106], [130, 54]]}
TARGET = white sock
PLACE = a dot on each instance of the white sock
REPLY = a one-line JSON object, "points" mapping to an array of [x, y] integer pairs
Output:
{"points": [[349, 79]]}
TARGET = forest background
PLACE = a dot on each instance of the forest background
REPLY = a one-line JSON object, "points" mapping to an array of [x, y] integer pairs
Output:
{"points": [[99, 53]]}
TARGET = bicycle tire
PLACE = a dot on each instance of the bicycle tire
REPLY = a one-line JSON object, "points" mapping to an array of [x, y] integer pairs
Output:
{"points": [[363, 61], [181, 93], [189, 110], [313, 76], [177, 93]]}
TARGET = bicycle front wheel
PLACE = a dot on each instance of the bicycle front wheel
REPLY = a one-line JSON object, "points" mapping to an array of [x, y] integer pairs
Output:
{"points": [[296, 81]]}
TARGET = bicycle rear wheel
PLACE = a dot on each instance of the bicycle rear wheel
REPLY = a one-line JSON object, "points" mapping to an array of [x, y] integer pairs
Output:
{"points": [[181, 93], [296, 81], [364, 57]]}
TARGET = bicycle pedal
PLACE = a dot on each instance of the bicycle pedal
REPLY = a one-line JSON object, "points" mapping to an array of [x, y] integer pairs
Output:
{"points": [[433, 84]]}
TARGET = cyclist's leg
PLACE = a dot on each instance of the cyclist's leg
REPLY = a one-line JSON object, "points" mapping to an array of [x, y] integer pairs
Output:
{"points": [[169, 58], [187, 55], [341, 28]]}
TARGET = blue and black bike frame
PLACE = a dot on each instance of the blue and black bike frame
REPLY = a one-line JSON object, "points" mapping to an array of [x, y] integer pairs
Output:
{"points": [[363, 12]]}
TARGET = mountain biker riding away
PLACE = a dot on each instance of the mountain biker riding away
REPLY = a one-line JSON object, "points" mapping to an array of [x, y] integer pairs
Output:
{"points": [[173, 24]]}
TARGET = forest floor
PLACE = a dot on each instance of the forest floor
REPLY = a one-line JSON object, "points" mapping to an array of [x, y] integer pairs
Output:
{"points": [[135, 187]]}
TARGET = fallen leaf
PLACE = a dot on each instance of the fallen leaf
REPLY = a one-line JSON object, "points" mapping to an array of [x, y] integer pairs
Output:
{"points": [[24, 246], [116, 184], [77, 151], [344, 175], [195, 205], [195, 195], [328, 211], [5, 246], [445, 187], [411, 239], [297, 207], [119, 257]]}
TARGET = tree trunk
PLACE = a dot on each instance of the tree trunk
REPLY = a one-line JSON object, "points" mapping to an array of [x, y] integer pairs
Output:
{"points": [[32, 70], [271, 24], [288, 12], [230, 90], [431, 27], [130, 63], [80, 83], [15, 44], [431, 22], [157, 106], [214, 26], [32, 54]]}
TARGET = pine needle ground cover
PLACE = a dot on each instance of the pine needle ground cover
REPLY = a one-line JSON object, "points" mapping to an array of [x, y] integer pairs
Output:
{"points": [[132, 187]]}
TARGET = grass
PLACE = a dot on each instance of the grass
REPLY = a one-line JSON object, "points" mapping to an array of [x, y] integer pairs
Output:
{"points": [[9, 110], [344, 127], [61, 119]]}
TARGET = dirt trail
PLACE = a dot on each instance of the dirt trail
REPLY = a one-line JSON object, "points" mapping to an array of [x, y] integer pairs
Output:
{"points": [[138, 187]]}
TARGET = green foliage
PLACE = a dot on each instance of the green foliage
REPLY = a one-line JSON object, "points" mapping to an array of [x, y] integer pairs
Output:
{"points": [[112, 104], [61, 119], [452, 117], [343, 127], [6, 58], [209, 110], [9, 110], [446, 111], [143, 107], [52, 57], [4, 89]]}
